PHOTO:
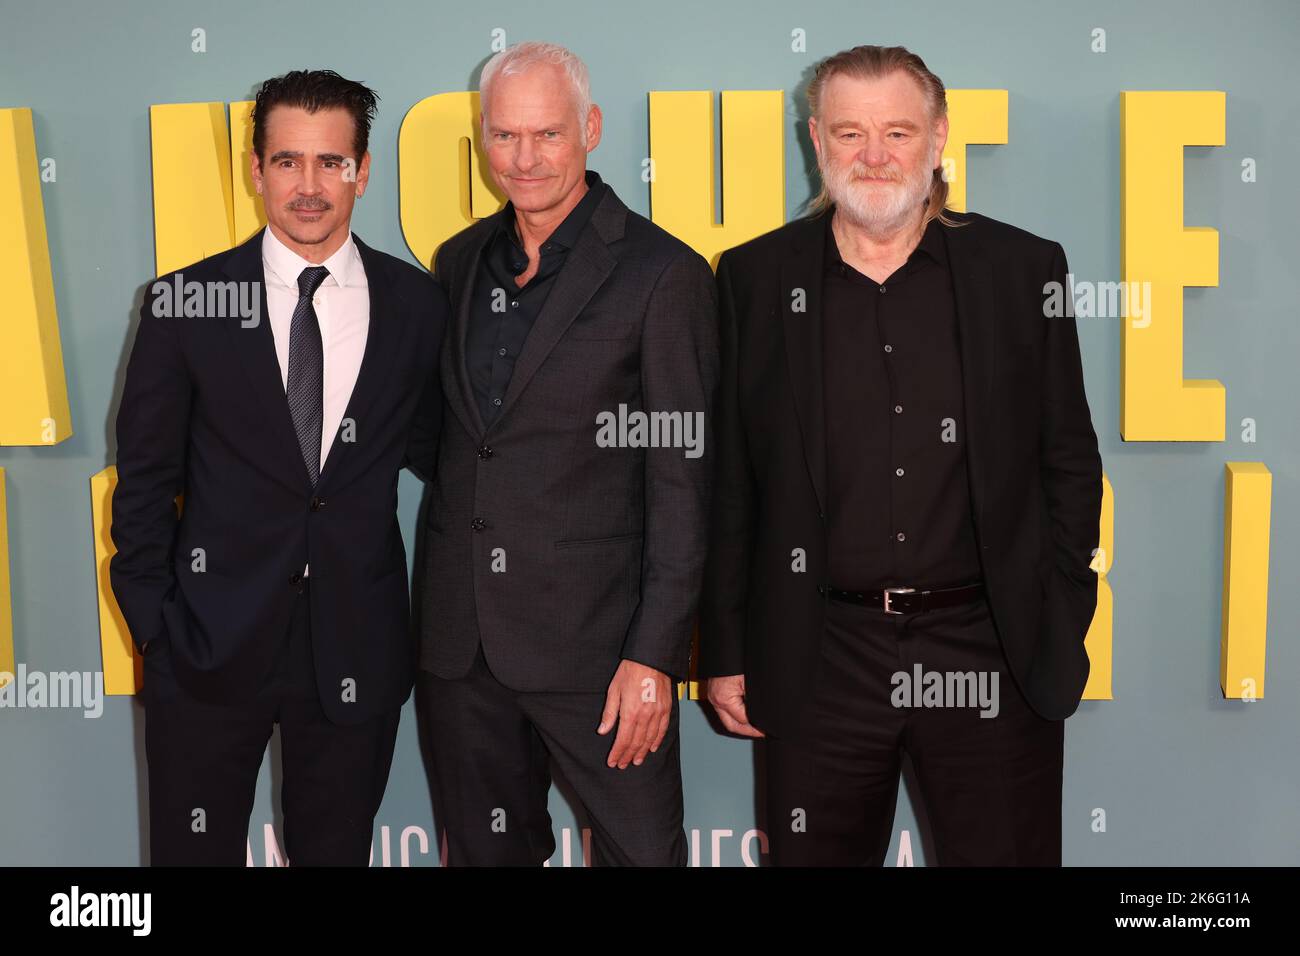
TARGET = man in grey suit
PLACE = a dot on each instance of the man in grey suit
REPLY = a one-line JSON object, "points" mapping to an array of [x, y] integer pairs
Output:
{"points": [[566, 533]]}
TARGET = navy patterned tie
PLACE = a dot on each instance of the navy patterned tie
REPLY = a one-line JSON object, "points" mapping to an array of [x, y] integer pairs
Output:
{"points": [[305, 387]]}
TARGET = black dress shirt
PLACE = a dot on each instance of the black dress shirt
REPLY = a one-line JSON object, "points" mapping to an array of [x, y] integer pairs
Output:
{"points": [[898, 494], [502, 313]]}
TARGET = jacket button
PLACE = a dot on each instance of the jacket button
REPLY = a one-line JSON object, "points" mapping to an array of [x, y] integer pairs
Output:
{"points": [[478, 524], [295, 579], [485, 452], [317, 504], [820, 589]]}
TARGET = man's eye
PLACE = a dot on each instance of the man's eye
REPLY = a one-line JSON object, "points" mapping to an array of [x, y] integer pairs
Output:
{"points": [[330, 163]]}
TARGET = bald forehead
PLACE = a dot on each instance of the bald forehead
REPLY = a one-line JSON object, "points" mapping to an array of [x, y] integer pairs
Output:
{"points": [[542, 89]]}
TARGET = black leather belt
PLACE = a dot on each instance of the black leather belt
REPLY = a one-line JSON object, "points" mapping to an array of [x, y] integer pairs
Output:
{"points": [[908, 600]]}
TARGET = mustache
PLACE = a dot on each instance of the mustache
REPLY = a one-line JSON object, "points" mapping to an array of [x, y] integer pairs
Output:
{"points": [[861, 173], [315, 204]]}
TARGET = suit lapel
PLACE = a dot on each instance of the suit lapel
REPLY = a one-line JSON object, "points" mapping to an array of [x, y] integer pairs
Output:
{"points": [[385, 335], [975, 298], [453, 363], [255, 347], [585, 269], [801, 285]]}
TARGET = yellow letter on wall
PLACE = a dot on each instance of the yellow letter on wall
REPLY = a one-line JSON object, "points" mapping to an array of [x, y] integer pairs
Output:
{"points": [[974, 117], [249, 213], [6, 604], [200, 206], [682, 198], [444, 180], [1247, 504], [1156, 403], [1100, 640], [33, 391], [122, 665]]}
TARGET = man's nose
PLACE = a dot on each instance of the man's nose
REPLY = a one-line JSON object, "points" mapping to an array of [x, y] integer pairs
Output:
{"points": [[311, 182], [873, 152], [526, 156]]}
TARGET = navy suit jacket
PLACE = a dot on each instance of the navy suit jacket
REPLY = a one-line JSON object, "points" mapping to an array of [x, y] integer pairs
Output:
{"points": [[204, 416]]}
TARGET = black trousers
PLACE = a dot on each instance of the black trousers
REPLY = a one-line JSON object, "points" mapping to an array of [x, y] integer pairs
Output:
{"points": [[491, 749], [204, 759], [990, 786]]}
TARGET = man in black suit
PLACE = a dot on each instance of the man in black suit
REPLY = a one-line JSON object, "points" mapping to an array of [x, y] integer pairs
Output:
{"points": [[907, 499], [567, 528], [274, 388]]}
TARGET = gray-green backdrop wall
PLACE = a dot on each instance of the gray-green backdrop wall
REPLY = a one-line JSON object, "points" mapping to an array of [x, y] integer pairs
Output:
{"points": [[1183, 775]]}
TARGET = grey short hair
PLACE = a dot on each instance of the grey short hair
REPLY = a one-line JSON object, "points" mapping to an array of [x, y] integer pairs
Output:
{"points": [[520, 57]]}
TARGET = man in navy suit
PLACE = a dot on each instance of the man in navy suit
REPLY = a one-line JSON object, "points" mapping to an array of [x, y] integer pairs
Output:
{"points": [[279, 593]]}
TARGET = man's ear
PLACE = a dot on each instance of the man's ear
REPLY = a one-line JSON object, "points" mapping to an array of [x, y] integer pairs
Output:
{"points": [[255, 169], [363, 174], [940, 140], [595, 127], [812, 134]]}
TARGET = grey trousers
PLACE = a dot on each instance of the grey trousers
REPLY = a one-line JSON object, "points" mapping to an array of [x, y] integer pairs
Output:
{"points": [[491, 749]]}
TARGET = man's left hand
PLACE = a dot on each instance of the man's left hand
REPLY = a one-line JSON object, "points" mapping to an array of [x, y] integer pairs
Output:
{"points": [[638, 699]]}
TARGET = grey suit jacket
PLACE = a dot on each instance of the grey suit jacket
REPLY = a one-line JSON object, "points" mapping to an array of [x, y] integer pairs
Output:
{"points": [[561, 555]]}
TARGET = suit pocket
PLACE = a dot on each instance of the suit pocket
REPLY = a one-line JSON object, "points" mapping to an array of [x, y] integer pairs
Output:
{"points": [[604, 324], [174, 615], [598, 542]]}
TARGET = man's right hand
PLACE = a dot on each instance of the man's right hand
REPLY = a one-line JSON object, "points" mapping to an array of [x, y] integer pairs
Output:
{"points": [[727, 695]]}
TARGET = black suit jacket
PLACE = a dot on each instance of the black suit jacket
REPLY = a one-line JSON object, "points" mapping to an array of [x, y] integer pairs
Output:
{"points": [[599, 552], [204, 415], [1032, 461]]}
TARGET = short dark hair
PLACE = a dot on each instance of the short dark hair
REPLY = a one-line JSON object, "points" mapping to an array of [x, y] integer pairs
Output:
{"points": [[314, 90]]}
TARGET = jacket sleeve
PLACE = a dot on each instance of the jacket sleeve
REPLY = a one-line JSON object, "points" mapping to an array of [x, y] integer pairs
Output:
{"points": [[426, 424], [152, 440], [1071, 474], [679, 373], [735, 497]]}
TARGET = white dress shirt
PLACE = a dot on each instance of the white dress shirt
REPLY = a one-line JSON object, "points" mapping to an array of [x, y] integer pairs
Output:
{"points": [[342, 304]]}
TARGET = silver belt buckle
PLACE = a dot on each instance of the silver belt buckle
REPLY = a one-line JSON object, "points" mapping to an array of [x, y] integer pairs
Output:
{"points": [[889, 591]]}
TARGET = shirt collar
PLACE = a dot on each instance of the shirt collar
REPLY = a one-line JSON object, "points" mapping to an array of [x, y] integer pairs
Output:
{"points": [[345, 266], [931, 242], [566, 233]]}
